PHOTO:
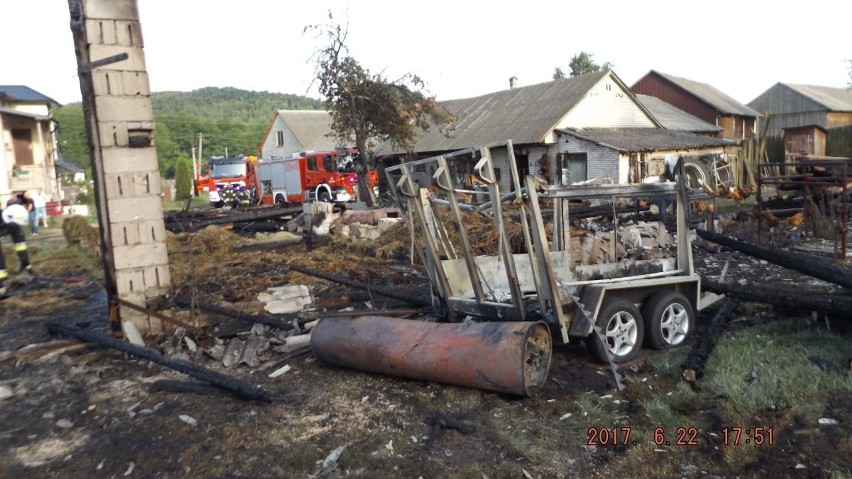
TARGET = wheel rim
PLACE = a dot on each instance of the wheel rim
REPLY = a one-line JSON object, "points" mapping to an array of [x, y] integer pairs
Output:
{"points": [[622, 332], [694, 176], [674, 324]]}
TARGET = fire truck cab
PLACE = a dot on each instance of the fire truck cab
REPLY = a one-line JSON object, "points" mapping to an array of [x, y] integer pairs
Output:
{"points": [[226, 173]]}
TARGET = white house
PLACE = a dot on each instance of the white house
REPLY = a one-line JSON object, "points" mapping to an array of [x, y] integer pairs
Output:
{"points": [[292, 131], [29, 146]]}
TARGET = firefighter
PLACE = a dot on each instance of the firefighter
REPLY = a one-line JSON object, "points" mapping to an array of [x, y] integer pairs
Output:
{"points": [[243, 197], [13, 217]]}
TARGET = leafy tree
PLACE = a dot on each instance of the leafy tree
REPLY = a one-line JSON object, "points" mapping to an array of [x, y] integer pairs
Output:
{"points": [[582, 63], [183, 178], [558, 74], [367, 105]]}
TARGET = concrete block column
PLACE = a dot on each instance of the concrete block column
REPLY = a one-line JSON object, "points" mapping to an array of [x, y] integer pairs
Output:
{"points": [[120, 128]]}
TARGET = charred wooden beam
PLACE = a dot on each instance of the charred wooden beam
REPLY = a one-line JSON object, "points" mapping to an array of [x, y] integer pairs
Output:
{"points": [[810, 265], [693, 367], [280, 321], [227, 383], [358, 284], [836, 305]]}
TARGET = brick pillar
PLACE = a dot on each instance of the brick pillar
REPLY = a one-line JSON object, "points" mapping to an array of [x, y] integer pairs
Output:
{"points": [[120, 128]]}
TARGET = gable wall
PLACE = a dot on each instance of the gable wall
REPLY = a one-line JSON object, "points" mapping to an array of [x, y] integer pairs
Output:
{"points": [[270, 146], [606, 105]]}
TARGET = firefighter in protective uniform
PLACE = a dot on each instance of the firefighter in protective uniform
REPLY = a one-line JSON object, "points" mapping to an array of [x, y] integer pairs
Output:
{"points": [[13, 218]]}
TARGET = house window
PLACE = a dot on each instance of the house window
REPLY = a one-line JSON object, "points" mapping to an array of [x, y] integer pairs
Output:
{"points": [[280, 138], [574, 168]]}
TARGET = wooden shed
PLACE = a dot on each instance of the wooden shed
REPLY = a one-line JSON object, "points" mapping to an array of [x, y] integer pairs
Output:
{"points": [[738, 121], [791, 106], [805, 140]]}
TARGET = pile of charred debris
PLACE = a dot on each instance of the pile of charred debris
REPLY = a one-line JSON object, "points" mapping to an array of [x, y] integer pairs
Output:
{"points": [[258, 303]]}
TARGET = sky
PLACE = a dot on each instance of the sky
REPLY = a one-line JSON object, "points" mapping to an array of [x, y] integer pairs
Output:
{"points": [[459, 48]]}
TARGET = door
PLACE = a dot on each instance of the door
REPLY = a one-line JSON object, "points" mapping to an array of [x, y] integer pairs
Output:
{"points": [[22, 139], [573, 168]]}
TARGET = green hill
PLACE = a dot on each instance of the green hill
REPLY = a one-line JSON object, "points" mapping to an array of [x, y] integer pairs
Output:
{"points": [[227, 118]]}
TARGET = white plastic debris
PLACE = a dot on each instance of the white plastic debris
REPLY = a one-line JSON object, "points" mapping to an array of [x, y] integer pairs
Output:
{"points": [[280, 371], [827, 422], [188, 419]]}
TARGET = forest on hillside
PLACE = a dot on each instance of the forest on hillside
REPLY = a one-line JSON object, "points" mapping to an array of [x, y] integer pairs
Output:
{"points": [[226, 118]]}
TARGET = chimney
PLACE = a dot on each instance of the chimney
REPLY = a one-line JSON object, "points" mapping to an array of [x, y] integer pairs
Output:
{"points": [[513, 83]]}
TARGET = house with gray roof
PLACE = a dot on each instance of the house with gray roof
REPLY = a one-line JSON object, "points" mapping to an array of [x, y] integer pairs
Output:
{"points": [[540, 120], [292, 131], [738, 121], [810, 116], [29, 134]]}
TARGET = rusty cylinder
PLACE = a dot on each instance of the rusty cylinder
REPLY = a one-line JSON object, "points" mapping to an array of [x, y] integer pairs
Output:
{"points": [[508, 357]]}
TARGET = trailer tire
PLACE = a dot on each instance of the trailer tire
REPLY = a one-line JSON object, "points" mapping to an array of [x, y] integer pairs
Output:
{"points": [[621, 329], [669, 320]]}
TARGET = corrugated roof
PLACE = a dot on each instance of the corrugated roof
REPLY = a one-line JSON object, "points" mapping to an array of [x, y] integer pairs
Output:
{"points": [[310, 127], [833, 99], [673, 118], [24, 94], [646, 139], [67, 165], [524, 114], [710, 95], [12, 111]]}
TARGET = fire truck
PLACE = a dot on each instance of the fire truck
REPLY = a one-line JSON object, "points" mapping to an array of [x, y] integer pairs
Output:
{"points": [[309, 176], [226, 173]]}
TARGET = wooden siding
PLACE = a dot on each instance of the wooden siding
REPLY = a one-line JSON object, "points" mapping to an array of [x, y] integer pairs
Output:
{"points": [[781, 100], [656, 86], [734, 127], [809, 140], [606, 105]]}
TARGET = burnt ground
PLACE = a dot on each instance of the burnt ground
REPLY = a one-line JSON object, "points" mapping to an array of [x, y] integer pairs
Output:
{"points": [[92, 412]]}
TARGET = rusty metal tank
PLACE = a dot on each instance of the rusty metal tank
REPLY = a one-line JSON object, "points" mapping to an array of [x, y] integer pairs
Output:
{"points": [[507, 357]]}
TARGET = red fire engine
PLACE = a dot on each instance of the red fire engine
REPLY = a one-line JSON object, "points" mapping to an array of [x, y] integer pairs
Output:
{"points": [[309, 176], [223, 173]]}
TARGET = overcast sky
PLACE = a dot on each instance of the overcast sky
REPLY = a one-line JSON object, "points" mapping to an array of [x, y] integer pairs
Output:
{"points": [[460, 48]]}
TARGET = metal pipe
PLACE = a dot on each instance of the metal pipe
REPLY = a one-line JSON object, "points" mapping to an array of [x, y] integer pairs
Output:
{"points": [[508, 357]]}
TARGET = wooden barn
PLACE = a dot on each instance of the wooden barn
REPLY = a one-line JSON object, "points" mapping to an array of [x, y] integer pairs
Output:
{"points": [[738, 121], [796, 109]]}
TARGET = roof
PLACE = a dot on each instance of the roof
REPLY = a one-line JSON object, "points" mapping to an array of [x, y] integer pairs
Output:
{"points": [[524, 114], [310, 127], [673, 118], [67, 165], [833, 99], [12, 111], [24, 94], [646, 139], [723, 103]]}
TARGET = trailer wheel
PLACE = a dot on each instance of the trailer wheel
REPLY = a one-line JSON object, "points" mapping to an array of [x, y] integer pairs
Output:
{"points": [[621, 329], [668, 320]]}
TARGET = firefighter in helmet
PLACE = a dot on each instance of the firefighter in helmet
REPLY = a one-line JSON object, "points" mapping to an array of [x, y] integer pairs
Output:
{"points": [[14, 217]]}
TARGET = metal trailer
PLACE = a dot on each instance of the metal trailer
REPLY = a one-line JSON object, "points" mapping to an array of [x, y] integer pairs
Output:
{"points": [[627, 301]]}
